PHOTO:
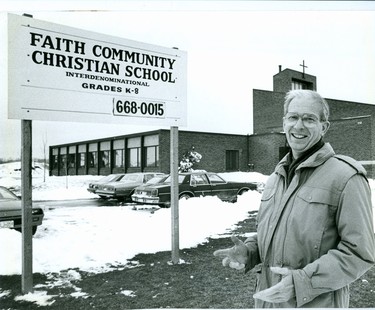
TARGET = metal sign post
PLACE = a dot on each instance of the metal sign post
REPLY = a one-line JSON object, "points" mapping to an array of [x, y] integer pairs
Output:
{"points": [[174, 195], [26, 202]]}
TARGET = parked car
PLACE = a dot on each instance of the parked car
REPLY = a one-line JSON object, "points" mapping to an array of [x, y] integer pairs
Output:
{"points": [[11, 212], [93, 186], [192, 184], [124, 188]]}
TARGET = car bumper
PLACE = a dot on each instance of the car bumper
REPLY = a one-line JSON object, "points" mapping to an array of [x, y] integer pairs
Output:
{"points": [[145, 199], [106, 193], [16, 222]]}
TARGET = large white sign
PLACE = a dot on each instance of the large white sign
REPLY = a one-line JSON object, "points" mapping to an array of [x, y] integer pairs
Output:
{"points": [[59, 73]]}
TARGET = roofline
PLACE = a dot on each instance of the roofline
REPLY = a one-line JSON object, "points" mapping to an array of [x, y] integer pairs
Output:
{"points": [[137, 134]]}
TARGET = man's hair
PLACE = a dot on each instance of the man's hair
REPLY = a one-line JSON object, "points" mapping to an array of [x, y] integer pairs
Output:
{"points": [[307, 94]]}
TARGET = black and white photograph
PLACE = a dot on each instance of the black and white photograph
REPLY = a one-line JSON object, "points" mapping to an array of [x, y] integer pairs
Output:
{"points": [[187, 154]]}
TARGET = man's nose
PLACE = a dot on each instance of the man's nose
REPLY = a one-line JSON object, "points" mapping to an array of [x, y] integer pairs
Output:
{"points": [[299, 123]]}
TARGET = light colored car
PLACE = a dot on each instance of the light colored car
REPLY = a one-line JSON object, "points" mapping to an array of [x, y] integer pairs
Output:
{"points": [[124, 188], [93, 186], [192, 184], [11, 212]]}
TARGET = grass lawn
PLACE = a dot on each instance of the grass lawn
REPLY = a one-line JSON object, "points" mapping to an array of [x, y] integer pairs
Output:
{"points": [[200, 282]]}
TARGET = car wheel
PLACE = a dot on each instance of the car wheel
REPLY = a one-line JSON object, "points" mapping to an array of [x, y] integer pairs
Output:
{"points": [[33, 230], [239, 194], [243, 191], [185, 195]]}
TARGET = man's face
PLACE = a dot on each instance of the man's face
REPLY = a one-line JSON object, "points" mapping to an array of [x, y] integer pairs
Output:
{"points": [[302, 125]]}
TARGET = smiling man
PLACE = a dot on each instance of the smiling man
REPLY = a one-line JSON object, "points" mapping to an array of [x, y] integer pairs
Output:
{"points": [[315, 225], [305, 120]]}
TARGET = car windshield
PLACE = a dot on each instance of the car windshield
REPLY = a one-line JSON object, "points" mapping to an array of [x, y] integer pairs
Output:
{"points": [[109, 178], [181, 179], [7, 195], [155, 180], [131, 178], [215, 179]]}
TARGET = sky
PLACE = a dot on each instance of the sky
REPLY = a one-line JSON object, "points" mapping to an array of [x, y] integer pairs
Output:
{"points": [[232, 48]]}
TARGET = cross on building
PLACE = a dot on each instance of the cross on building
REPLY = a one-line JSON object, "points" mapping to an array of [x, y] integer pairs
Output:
{"points": [[303, 68]]}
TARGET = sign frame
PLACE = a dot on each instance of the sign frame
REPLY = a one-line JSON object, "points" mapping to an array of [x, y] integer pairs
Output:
{"points": [[61, 73]]}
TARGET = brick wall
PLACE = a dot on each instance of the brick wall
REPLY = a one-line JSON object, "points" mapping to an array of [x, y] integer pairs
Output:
{"points": [[211, 146], [282, 81], [264, 151], [353, 137], [268, 111]]}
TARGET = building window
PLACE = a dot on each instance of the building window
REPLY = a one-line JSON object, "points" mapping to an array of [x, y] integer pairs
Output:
{"points": [[118, 153], [81, 156], [297, 84], [82, 160], [104, 159], [135, 157], [54, 159], [72, 157], [151, 144], [93, 159], [63, 158], [93, 155], [232, 160], [63, 162], [72, 160], [152, 156], [104, 154], [134, 149], [119, 158]]}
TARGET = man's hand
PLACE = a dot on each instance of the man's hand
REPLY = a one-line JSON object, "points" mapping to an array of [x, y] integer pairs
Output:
{"points": [[282, 291], [234, 257]]}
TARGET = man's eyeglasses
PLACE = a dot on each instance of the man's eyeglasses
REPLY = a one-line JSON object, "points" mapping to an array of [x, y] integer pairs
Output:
{"points": [[308, 120]]}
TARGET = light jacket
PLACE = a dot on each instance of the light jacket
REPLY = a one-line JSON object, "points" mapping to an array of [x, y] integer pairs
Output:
{"points": [[320, 227]]}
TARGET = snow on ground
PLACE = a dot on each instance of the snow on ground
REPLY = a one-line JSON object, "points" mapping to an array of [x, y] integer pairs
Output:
{"points": [[100, 239]]}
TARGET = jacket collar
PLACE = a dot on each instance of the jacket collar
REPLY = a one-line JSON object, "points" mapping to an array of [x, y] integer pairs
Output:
{"points": [[316, 159]]}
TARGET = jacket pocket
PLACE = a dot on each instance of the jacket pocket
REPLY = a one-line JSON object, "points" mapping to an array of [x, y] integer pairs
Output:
{"points": [[267, 203], [312, 221], [318, 196]]}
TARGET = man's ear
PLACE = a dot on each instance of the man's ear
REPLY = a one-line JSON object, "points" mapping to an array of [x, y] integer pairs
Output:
{"points": [[325, 127]]}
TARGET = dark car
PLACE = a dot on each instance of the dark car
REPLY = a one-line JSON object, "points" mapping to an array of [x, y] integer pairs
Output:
{"points": [[192, 184], [11, 212], [93, 186], [124, 188]]}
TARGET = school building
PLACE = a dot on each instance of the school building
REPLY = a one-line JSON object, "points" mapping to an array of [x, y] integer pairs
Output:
{"points": [[351, 133]]}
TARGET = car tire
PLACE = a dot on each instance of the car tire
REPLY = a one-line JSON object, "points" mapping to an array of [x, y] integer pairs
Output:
{"points": [[243, 191], [185, 195], [33, 230]]}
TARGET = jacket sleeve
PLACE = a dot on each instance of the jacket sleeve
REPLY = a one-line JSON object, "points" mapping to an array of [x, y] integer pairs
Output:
{"points": [[355, 252], [253, 252]]}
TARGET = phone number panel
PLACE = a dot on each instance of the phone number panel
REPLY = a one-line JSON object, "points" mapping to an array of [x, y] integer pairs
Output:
{"points": [[134, 108]]}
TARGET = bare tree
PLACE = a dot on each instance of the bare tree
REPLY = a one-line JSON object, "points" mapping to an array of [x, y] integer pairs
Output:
{"points": [[44, 142]]}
